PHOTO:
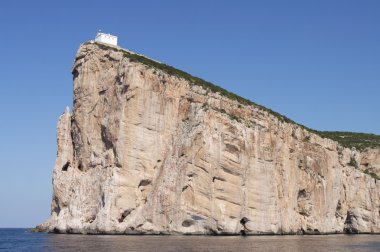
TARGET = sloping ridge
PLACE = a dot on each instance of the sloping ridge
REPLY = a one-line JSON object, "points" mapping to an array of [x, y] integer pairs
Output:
{"points": [[360, 141]]}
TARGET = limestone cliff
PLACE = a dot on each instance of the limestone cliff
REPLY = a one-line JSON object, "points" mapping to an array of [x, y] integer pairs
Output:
{"points": [[147, 151]]}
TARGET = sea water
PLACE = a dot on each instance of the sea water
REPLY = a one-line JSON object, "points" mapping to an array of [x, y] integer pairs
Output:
{"points": [[22, 240]]}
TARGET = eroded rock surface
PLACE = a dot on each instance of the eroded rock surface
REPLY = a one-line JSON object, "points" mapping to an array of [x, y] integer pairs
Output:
{"points": [[146, 152]]}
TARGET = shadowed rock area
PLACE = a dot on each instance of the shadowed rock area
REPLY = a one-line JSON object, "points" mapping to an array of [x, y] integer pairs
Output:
{"points": [[147, 152]]}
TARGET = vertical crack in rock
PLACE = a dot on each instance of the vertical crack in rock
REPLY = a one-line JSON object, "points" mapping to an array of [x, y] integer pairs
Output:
{"points": [[106, 140]]}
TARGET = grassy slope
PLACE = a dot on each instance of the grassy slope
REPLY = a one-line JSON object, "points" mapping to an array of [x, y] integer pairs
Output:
{"points": [[360, 141]]}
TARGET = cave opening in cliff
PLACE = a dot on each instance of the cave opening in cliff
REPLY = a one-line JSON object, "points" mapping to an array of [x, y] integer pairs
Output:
{"points": [[244, 220], [65, 167], [75, 74], [80, 166]]}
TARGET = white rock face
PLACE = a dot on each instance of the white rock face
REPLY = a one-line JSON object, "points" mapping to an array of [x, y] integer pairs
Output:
{"points": [[146, 152]]}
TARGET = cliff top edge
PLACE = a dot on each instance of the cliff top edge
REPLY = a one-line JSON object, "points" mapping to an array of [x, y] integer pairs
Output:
{"points": [[359, 141]]}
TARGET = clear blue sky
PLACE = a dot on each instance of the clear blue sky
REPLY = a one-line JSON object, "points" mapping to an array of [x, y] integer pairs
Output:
{"points": [[316, 62]]}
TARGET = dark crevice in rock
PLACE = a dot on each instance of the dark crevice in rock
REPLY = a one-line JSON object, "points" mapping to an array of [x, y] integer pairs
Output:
{"points": [[76, 137], [232, 148], [349, 224], [217, 178], [92, 219], [304, 212], [196, 217], [211, 231], [124, 215], [338, 209], [353, 163], [75, 72], [124, 89], [244, 220], [119, 78], [66, 166], [102, 92], [302, 194], [107, 139], [339, 206], [184, 188], [107, 142], [145, 182], [130, 97], [231, 170], [187, 223], [301, 231], [103, 200], [80, 166]]}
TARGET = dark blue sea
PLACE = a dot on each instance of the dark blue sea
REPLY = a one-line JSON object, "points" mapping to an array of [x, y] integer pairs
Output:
{"points": [[22, 240]]}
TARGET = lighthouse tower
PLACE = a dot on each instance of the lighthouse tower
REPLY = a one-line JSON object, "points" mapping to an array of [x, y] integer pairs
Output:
{"points": [[106, 38]]}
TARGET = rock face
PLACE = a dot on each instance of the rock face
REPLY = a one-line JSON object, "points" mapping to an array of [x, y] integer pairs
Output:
{"points": [[147, 152]]}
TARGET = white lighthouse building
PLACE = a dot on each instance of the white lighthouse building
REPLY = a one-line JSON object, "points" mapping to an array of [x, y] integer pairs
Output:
{"points": [[106, 38]]}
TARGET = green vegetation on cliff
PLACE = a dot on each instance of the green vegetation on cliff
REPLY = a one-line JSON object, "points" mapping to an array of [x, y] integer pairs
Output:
{"points": [[360, 141], [372, 174]]}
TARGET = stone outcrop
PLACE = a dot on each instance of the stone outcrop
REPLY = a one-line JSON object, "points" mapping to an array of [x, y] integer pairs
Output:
{"points": [[146, 152]]}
